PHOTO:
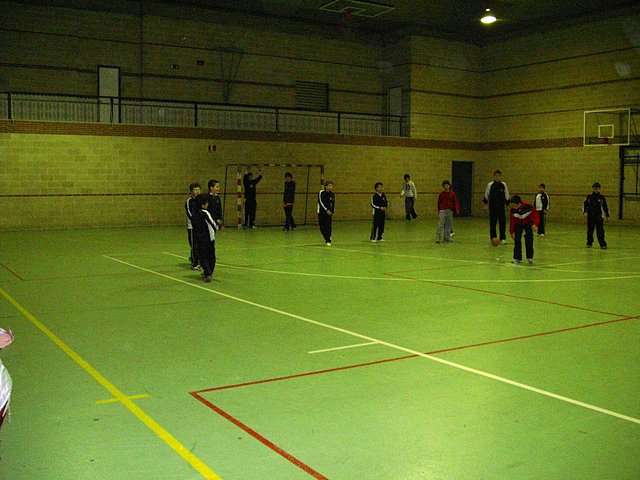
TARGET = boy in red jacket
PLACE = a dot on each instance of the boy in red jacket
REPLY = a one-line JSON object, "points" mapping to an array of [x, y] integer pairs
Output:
{"points": [[523, 218], [447, 203]]}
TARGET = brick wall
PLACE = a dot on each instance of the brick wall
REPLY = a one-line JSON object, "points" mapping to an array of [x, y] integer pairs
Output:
{"points": [[57, 50], [56, 175], [516, 104], [536, 88]]}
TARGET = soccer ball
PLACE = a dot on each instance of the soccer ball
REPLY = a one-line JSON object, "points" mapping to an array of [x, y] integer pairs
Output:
{"points": [[495, 241]]}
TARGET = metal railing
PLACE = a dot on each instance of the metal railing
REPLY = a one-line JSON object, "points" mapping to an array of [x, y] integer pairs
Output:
{"points": [[133, 111]]}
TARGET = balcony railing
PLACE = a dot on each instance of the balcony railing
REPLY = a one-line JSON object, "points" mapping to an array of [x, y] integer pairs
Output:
{"points": [[132, 111]]}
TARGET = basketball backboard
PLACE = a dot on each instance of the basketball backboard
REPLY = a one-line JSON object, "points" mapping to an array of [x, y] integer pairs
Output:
{"points": [[607, 127]]}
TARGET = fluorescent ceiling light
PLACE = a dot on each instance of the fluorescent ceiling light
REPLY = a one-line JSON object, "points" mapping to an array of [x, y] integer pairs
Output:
{"points": [[488, 17]]}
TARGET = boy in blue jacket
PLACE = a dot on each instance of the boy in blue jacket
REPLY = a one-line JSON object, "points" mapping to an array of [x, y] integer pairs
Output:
{"points": [[595, 209], [379, 205]]}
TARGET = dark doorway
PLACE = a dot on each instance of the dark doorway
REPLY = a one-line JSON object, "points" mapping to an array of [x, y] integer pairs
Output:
{"points": [[462, 184]]}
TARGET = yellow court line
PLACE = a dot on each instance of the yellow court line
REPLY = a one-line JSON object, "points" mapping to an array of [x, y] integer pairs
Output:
{"points": [[154, 426], [114, 400]]}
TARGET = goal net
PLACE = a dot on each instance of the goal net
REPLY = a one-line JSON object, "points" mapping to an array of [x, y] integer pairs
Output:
{"points": [[269, 192]]}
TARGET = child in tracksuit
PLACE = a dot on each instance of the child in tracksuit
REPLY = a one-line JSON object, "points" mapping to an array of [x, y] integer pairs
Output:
{"points": [[379, 205], [447, 202], [542, 206], [496, 196], [250, 202], [326, 209], [595, 208], [215, 202], [288, 197], [204, 232], [190, 208], [410, 195], [523, 219]]}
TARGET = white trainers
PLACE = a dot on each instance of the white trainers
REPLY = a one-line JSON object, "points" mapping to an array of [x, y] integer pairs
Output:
{"points": [[328, 244], [516, 261], [529, 260], [503, 242]]}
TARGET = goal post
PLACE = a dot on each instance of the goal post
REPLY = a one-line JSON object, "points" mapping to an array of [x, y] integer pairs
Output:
{"points": [[269, 191]]}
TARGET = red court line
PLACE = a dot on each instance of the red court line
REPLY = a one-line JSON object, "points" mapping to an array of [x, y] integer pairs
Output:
{"points": [[88, 275], [533, 335], [15, 274], [102, 275], [404, 357], [303, 466], [306, 374], [509, 295]]}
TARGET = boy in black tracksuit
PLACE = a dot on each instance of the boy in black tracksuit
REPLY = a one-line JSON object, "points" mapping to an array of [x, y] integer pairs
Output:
{"points": [[326, 209], [379, 205], [288, 198], [191, 208], [204, 232], [542, 206], [215, 203], [593, 208], [496, 198], [250, 202]]}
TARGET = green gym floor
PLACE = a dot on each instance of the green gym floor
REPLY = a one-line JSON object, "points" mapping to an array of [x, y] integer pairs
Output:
{"points": [[397, 361]]}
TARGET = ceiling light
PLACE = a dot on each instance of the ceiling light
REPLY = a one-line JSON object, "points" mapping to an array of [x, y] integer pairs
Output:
{"points": [[488, 17]]}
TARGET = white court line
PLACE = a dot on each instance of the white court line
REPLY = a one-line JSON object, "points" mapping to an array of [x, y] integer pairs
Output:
{"points": [[484, 262], [279, 246], [592, 260], [425, 280], [390, 345], [384, 254], [344, 347], [304, 274], [546, 266]]}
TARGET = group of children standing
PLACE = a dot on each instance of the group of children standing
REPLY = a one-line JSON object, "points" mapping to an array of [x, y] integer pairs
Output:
{"points": [[526, 218], [204, 215], [204, 219]]}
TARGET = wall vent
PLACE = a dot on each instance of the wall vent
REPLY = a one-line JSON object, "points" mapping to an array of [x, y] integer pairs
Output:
{"points": [[312, 96]]}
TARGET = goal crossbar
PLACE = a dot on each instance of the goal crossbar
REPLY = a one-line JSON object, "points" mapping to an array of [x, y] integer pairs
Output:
{"points": [[303, 193]]}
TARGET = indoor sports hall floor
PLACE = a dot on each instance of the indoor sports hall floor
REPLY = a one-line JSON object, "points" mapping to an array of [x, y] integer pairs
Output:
{"points": [[397, 361]]}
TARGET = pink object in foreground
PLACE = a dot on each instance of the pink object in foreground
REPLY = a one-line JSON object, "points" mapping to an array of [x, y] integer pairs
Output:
{"points": [[6, 338]]}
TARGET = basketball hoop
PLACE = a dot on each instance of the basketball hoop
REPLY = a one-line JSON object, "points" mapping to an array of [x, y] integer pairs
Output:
{"points": [[612, 126], [230, 59], [349, 26]]}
